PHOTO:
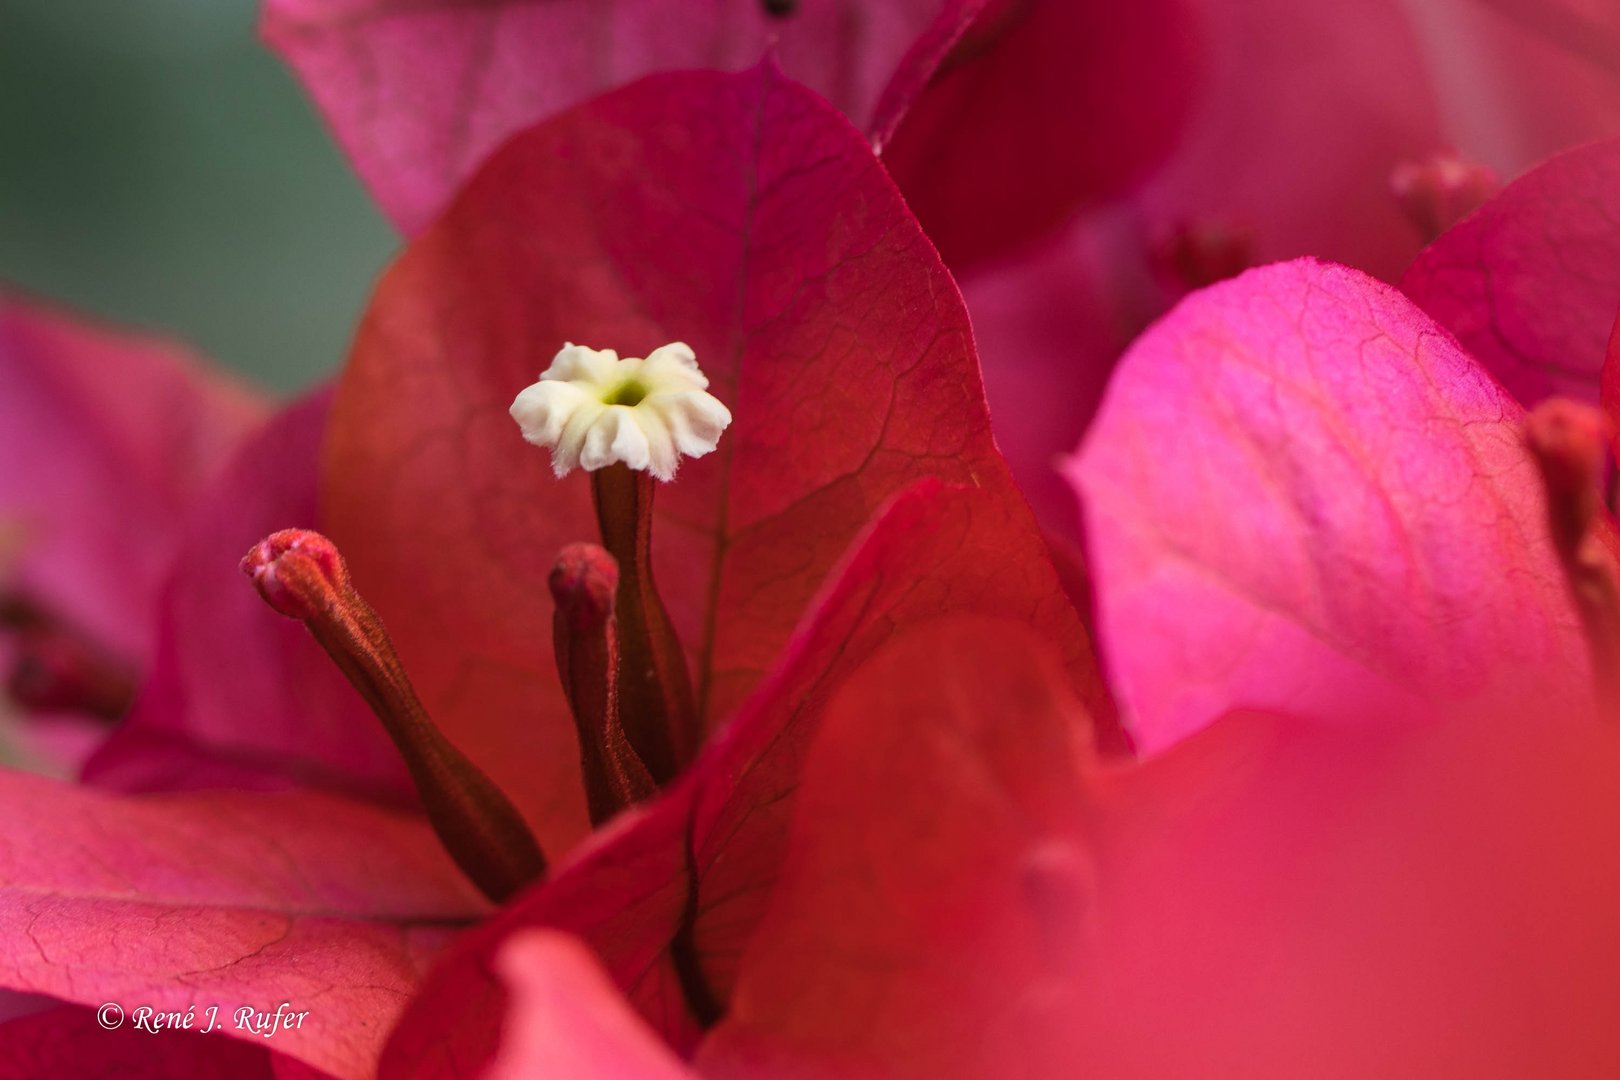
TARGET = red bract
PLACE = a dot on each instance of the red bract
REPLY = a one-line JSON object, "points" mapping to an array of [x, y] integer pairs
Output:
{"points": [[1275, 897], [227, 898], [1043, 107], [1392, 892], [775, 245], [92, 485], [939, 839], [1419, 890], [1427, 896], [695, 871], [1531, 282], [420, 93], [1302, 495], [737, 213]]}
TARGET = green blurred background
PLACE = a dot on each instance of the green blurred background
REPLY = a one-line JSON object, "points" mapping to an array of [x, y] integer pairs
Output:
{"points": [[159, 167]]}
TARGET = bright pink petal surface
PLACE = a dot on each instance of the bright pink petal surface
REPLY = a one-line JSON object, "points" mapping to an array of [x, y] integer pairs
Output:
{"points": [[226, 898], [1256, 156], [1531, 282], [966, 895], [1400, 80], [928, 917], [568, 1019], [1302, 495], [737, 213], [1043, 107], [933, 553], [420, 93], [68, 1042], [241, 696], [105, 435]]}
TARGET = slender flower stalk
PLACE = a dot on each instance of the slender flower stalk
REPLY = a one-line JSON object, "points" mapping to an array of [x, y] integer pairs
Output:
{"points": [[583, 584], [655, 689], [301, 575], [628, 422]]}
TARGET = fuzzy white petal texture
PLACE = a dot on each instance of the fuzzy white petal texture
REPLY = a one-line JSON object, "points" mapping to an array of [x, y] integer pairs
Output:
{"points": [[593, 409], [579, 364], [543, 409], [694, 420]]}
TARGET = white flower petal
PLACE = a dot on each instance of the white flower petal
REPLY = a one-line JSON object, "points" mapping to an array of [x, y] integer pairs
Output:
{"points": [[578, 364], [543, 409], [675, 364], [694, 419], [615, 437], [569, 410]]}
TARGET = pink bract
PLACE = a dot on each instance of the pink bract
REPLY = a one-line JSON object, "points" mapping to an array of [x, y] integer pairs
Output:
{"points": [[227, 897], [420, 94], [1302, 495], [92, 485]]}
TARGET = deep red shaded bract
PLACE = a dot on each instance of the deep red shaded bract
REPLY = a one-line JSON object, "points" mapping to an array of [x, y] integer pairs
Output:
{"points": [[1048, 332], [1042, 108], [68, 1042], [1531, 282]]}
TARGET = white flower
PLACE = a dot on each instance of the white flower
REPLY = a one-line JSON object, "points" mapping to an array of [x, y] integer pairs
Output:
{"points": [[592, 409]]}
